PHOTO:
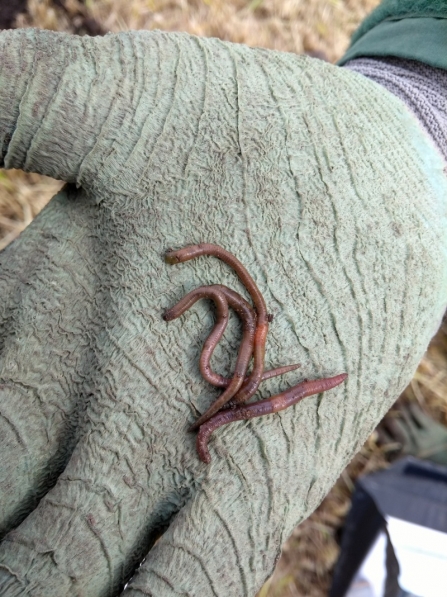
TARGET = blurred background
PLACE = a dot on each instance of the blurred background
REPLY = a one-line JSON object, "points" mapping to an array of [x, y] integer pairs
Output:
{"points": [[320, 28]]}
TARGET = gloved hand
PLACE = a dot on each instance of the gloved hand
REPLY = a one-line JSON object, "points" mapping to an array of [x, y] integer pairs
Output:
{"points": [[415, 433], [327, 190]]}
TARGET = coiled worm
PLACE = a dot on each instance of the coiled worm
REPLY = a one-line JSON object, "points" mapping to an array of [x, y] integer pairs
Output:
{"points": [[222, 296]]}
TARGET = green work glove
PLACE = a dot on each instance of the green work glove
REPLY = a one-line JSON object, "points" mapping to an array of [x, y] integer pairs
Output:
{"points": [[327, 190], [415, 433]]}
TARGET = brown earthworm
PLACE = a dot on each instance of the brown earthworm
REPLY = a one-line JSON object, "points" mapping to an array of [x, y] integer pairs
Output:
{"points": [[262, 407], [220, 294], [246, 313], [252, 384], [216, 333], [223, 297], [224, 381]]}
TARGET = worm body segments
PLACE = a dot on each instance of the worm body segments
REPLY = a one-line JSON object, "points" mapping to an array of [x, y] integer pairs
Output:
{"points": [[223, 298], [220, 293]]}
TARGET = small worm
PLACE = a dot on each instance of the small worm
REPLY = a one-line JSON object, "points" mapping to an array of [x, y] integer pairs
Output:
{"points": [[222, 297], [266, 375], [262, 407], [217, 293], [252, 384], [248, 317], [216, 333], [246, 313]]}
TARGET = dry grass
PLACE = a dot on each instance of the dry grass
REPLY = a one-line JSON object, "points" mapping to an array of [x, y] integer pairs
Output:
{"points": [[22, 196], [313, 26], [288, 25]]}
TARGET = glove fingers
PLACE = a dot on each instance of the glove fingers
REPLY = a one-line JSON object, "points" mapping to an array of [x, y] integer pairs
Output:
{"points": [[127, 476], [135, 464], [49, 292], [211, 548]]}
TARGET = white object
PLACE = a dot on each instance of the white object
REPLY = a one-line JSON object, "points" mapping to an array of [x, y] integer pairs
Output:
{"points": [[422, 556], [373, 569]]}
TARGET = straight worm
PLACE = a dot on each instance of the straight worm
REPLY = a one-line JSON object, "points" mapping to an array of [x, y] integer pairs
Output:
{"points": [[262, 407]]}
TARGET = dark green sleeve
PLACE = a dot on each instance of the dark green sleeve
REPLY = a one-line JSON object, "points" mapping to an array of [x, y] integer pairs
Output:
{"points": [[415, 30]]}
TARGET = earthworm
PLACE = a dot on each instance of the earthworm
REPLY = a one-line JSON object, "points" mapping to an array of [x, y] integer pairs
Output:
{"points": [[216, 333], [246, 313], [252, 384], [222, 297], [220, 294], [224, 381], [262, 407]]}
